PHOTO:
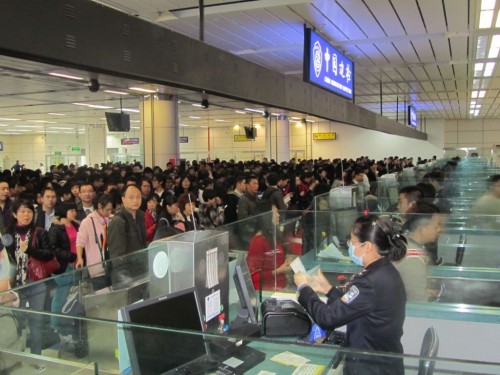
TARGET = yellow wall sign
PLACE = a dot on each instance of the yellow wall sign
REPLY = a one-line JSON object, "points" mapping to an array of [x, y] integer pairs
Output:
{"points": [[241, 138], [324, 136]]}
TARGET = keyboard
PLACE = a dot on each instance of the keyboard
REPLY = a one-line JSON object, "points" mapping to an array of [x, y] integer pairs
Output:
{"points": [[336, 337]]}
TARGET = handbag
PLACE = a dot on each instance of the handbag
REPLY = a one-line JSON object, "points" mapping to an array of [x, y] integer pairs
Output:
{"points": [[41, 269]]}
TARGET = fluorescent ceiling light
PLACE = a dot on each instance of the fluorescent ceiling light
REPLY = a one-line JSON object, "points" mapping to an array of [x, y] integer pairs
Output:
{"points": [[294, 118], [482, 93], [478, 68], [473, 94], [59, 128], [488, 4], [134, 127], [183, 125], [130, 110], [309, 121], [196, 105], [29, 126], [498, 20], [298, 124], [116, 92], [254, 110], [485, 83], [485, 19], [471, 112], [488, 70], [133, 120], [9, 119], [99, 106], [4, 125], [275, 114], [475, 83], [202, 126], [473, 102], [195, 117], [236, 126], [17, 130], [482, 42], [257, 126], [494, 47], [44, 122], [62, 75], [56, 114], [241, 112], [476, 112], [142, 90], [219, 120]]}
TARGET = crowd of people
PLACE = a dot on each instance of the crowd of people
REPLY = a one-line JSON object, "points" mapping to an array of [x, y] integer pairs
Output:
{"points": [[83, 216]]}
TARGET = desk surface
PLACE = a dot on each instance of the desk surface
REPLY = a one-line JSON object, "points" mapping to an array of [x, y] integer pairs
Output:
{"points": [[317, 354]]}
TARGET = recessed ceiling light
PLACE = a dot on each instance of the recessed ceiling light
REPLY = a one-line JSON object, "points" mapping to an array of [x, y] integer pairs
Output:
{"points": [[485, 19], [62, 75], [56, 114], [116, 92], [482, 93], [9, 119], [142, 90]]}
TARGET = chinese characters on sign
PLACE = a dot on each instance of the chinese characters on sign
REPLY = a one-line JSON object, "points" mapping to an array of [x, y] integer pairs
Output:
{"points": [[325, 66]]}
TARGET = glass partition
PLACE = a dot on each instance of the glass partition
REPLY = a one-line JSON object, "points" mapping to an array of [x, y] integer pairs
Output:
{"points": [[152, 349]]}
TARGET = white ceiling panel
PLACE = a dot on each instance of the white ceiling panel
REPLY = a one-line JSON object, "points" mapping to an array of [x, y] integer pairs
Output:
{"points": [[409, 15], [433, 14], [406, 50]]}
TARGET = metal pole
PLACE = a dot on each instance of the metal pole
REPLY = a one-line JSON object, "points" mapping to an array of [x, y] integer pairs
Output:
{"points": [[381, 111], [397, 108], [202, 20]]}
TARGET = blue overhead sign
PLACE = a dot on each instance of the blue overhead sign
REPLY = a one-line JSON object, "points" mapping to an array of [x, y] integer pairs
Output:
{"points": [[325, 66], [412, 116]]}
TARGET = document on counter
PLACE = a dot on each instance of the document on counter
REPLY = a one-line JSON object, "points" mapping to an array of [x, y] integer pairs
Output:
{"points": [[309, 369], [290, 359]]}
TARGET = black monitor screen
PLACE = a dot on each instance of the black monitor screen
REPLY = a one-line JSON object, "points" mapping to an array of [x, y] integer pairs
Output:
{"points": [[155, 352], [250, 132], [118, 122], [246, 292]]}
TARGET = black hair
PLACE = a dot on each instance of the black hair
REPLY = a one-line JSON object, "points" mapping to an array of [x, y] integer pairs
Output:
{"points": [[412, 192], [63, 208], [18, 203], [104, 200], [422, 213], [380, 232], [272, 179], [209, 194], [493, 179]]}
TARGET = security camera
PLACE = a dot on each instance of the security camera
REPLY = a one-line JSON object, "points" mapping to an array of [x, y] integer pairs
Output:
{"points": [[93, 85], [265, 114], [204, 103]]}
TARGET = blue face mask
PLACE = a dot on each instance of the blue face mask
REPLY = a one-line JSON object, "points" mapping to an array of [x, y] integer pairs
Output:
{"points": [[354, 258]]}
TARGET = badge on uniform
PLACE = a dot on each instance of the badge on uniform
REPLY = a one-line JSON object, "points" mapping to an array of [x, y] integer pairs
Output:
{"points": [[350, 295]]}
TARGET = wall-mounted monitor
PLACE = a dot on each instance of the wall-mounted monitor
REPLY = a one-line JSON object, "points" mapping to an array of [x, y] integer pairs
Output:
{"points": [[118, 122], [412, 116], [326, 66], [250, 132]]}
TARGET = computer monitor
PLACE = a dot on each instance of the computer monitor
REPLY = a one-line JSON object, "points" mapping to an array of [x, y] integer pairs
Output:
{"points": [[154, 352], [248, 302], [250, 132]]}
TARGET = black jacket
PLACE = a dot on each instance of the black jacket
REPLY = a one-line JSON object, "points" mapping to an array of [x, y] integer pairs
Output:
{"points": [[373, 309], [125, 236], [59, 243]]}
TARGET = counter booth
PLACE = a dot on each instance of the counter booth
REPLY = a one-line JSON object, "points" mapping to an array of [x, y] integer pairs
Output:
{"points": [[209, 302]]}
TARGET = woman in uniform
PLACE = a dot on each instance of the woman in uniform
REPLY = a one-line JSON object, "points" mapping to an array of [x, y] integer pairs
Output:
{"points": [[372, 305]]}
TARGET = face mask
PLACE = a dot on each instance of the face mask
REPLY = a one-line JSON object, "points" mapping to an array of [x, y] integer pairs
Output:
{"points": [[354, 258]]}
